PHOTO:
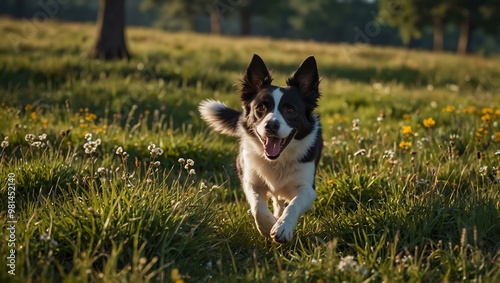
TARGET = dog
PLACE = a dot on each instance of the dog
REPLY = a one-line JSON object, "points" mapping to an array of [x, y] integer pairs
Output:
{"points": [[280, 143]]}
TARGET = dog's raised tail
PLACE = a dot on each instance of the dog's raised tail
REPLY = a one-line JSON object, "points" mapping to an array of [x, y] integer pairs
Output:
{"points": [[220, 117]]}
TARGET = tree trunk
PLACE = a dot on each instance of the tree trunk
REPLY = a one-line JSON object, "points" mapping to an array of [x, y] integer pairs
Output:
{"points": [[215, 23], [110, 42], [245, 21], [438, 34], [463, 39]]}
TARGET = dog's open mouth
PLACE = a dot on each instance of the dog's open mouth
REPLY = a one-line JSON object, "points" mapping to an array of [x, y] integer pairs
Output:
{"points": [[274, 146]]}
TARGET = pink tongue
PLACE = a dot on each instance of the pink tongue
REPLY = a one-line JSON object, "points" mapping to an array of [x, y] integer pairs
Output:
{"points": [[273, 146]]}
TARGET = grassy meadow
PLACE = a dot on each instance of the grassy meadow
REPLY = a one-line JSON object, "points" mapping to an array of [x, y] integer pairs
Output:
{"points": [[117, 179]]}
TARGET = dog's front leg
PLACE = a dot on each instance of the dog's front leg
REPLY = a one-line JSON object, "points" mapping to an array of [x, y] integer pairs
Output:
{"points": [[282, 231], [257, 198]]}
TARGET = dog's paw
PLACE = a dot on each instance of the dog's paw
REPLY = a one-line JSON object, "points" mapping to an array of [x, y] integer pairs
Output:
{"points": [[282, 232]]}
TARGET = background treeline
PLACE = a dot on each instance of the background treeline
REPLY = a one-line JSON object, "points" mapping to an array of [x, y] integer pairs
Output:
{"points": [[451, 25]]}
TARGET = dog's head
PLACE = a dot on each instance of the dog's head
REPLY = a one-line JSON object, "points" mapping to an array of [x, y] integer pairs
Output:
{"points": [[277, 115]]}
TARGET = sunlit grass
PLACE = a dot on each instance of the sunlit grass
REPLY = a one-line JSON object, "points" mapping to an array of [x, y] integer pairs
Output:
{"points": [[118, 180]]}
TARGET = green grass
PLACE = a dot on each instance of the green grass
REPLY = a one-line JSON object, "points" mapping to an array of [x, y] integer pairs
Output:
{"points": [[400, 199]]}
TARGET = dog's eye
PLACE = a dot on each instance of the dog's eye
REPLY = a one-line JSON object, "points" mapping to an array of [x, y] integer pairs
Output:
{"points": [[260, 108], [290, 110]]}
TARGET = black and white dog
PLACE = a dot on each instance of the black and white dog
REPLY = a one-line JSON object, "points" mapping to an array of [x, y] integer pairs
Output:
{"points": [[280, 144]]}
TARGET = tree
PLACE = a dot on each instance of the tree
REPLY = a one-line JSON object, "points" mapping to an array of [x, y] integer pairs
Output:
{"points": [[110, 40], [412, 16], [181, 14]]}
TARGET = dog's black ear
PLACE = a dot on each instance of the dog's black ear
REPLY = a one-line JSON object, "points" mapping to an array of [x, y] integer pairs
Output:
{"points": [[256, 77], [306, 79]]}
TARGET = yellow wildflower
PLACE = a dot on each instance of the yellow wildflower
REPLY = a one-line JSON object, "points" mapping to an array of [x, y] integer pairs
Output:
{"points": [[469, 110], [449, 109], [406, 116], [486, 118], [407, 131], [429, 122], [404, 144], [487, 110], [496, 137]]}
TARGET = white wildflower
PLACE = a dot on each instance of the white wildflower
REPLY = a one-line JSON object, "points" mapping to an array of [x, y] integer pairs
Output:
{"points": [[191, 172], [156, 164], [42, 137], [30, 138], [37, 144], [119, 150], [190, 162], [360, 152], [203, 186], [483, 170], [88, 136], [4, 144], [388, 154], [181, 161], [151, 146]]}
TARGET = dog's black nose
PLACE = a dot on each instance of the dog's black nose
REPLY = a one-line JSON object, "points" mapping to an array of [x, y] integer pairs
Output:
{"points": [[272, 126]]}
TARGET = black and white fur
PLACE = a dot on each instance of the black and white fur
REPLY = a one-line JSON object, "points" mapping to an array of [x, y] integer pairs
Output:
{"points": [[280, 144]]}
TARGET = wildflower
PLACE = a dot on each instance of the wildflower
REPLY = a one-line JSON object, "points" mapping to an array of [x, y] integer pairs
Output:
{"points": [[5, 142], [42, 137], [430, 87], [453, 87], [156, 164], [486, 118], [404, 144], [380, 117], [190, 162], [151, 146], [37, 144], [360, 152], [330, 182], [119, 150], [181, 161], [406, 116], [469, 110], [155, 152], [30, 138], [487, 110], [449, 109], [191, 172], [429, 122], [377, 86], [44, 237], [91, 146], [496, 137], [101, 171], [388, 154], [175, 275], [355, 124], [348, 264], [497, 153], [203, 186], [483, 170], [407, 131]]}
